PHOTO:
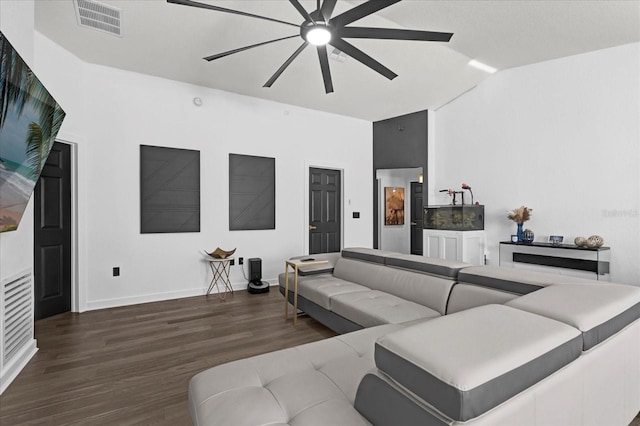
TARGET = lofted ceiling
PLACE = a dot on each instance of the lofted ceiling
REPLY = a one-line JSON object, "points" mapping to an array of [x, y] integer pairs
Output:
{"points": [[169, 41]]}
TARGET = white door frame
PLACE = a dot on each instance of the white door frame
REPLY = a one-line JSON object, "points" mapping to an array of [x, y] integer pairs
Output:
{"points": [[76, 266]]}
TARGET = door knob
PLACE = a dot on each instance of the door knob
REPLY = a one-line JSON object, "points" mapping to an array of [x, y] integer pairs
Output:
{"points": [[311, 227]]}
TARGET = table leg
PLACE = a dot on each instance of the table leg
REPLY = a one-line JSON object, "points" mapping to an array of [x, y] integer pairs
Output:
{"points": [[218, 277], [220, 272], [295, 294], [286, 291], [212, 278], [227, 282]]}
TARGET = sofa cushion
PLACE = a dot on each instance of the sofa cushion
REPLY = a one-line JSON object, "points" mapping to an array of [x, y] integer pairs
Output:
{"points": [[507, 279], [428, 290], [366, 254], [321, 291], [466, 296], [466, 363], [515, 280], [372, 307], [429, 265], [370, 275], [598, 311], [314, 383]]}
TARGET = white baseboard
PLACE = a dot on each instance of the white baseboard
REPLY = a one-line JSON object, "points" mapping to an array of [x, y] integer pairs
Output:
{"points": [[158, 297], [11, 371]]}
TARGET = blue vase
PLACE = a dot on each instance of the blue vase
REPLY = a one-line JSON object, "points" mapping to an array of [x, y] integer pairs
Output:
{"points": [[519, 233]]}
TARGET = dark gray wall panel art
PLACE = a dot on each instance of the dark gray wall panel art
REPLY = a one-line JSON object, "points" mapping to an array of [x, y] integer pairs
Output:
{"points": [[252, 192], [169, 190]]}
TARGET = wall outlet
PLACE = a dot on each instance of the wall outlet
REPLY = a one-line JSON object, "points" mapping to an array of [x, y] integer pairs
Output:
{"points": [[116, 271], [241, 261], [233, 262]]}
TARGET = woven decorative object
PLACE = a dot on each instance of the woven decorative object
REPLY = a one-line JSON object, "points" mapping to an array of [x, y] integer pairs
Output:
{"points": [[218, 253]]}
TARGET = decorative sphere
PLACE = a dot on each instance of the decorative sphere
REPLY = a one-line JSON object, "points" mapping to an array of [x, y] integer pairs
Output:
{"points": [[580, 241], [527, 236], [595, 241]]}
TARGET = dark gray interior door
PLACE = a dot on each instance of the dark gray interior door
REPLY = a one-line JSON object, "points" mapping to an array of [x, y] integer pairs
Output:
{"points": [[52, 235], [324, 210], [416, 218]]}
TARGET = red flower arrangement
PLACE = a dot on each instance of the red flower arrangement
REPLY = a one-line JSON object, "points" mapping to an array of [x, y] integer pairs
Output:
{"points": [[468, 188]]}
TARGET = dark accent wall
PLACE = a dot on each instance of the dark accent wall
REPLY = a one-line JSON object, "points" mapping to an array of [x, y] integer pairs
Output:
{"points": [[252, 192], [398, 143], [169, 190]]}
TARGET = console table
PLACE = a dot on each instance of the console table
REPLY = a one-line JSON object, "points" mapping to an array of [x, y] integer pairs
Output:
{"points": [[563, 259]]}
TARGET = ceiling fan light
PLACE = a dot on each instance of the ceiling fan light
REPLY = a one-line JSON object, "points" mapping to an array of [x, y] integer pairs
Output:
{"points": [[319, 36]]}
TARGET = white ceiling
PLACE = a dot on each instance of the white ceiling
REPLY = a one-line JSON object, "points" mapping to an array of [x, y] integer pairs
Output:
{"points": [[169, 41]]}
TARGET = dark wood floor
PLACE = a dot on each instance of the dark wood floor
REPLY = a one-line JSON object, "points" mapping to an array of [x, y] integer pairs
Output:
{"points": [[131, 365]]}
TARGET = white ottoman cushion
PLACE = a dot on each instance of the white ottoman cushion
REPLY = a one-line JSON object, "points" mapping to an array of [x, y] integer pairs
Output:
{"points": [[466, 363], [598, 311]]}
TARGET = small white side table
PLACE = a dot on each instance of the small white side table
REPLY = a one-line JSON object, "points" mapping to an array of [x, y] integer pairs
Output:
{"points": [[220, 269]]}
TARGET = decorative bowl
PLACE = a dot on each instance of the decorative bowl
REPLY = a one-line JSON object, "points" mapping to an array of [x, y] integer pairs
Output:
{"points": [[218, 253], [595, 241], [556, 240], [580, 241]]}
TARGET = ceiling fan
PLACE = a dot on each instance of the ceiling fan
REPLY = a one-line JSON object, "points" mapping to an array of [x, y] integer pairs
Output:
{"points": [[320, 28]]}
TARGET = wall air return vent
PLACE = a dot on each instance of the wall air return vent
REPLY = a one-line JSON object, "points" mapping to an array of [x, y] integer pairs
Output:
{"points": [[99, 16], [18, 316]]}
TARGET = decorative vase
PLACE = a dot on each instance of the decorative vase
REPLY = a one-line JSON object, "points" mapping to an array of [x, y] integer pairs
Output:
{"points": [[594, 241], [519, 233], [580, 241], [527, 236]]}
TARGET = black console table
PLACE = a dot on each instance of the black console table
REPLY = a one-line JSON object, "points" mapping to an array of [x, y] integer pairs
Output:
{"points": [[566, 259]]}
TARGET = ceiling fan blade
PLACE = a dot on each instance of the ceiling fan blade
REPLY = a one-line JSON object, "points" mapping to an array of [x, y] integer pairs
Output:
{"points": [[324, 66], [302, 10], [392, 34], [240, 49], [284, 66], [222, 9], [327, 9], [358, 12], [362, 57]]}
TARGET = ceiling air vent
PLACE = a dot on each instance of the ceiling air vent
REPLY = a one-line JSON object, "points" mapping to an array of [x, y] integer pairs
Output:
{"points": [[338, 55], [98, 16]]}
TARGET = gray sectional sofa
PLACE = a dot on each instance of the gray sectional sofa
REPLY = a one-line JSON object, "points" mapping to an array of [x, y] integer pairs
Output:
{"points": [[431, 342]]}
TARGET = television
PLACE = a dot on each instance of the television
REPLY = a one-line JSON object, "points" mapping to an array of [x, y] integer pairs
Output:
{"points": [[29, 122]]}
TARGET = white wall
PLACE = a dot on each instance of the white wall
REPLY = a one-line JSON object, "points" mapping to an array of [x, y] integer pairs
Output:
{"points": [[561, 137], [16, 247], [122, 110], [395, 237]]}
